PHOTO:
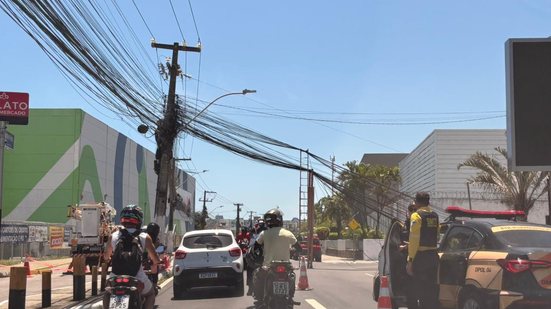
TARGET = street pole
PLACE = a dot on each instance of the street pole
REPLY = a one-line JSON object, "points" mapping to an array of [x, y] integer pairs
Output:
{"points": [[237, 223], [167, 131], [469, 195], [310, 218], [548, 217], [204, 212], [251, 218], [3, 125]]}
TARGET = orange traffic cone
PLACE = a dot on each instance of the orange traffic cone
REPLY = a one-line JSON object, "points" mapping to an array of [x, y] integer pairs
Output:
{"points": [[27, 266], [384, 301], [303, 279]]}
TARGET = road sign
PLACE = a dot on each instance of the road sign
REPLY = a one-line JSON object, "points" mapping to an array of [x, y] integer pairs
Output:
{"points": [[14, 107], [353, 224], [10, 140]]}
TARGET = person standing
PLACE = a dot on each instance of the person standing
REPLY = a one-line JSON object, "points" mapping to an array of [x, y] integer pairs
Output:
{"points": [[422, 263]]}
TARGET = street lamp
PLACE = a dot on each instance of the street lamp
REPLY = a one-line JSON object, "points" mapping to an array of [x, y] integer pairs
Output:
{"points": [[212, 210], [243, 92], [196, 172]]}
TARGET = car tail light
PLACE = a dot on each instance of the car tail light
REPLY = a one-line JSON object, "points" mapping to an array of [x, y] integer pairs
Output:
{"points": [[235, 251], [280, 269], [180, 255], [520, 265]]}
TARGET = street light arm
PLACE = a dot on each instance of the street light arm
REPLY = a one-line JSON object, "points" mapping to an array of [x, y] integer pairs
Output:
{"points": [[243, 92]]}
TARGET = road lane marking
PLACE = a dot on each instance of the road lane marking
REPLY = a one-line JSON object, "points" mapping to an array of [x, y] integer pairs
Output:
{"points": [[314, 303], [371, 275], [3, 302]]}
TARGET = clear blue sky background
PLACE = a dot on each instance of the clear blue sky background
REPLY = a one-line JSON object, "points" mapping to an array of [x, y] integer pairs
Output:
{"points": [[403, 62]]}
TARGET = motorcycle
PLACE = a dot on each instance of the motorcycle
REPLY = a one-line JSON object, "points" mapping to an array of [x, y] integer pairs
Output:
{"points": [[154, 275], [279, 288], [124, 292]]}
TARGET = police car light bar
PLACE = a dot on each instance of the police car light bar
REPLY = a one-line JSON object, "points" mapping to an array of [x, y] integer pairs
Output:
{"points": [[456, 211]]}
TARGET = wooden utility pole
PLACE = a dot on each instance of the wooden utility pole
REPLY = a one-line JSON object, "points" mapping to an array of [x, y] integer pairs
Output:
{"points": [[237, 223], [310, 217], [167, 130], [204, 212]]}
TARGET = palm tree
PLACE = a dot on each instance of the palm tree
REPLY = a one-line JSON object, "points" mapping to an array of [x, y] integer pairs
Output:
{"points": [[519, 190], [374, 184], [335, 209]]}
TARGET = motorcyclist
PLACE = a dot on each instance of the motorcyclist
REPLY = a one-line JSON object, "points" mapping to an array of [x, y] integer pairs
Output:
{"points": [[152, 230], [131, 219], [254, 256], [277, 242]]}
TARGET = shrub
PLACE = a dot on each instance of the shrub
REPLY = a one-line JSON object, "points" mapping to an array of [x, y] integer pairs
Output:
{"points": [[374, 235], [323, 232], [333, 235]]}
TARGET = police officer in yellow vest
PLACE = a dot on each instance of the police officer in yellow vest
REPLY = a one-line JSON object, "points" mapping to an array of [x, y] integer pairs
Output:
{"points": [[422, 262]]}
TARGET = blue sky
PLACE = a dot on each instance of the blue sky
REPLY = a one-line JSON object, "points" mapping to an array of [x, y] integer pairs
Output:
{"points": [[426, 62]]}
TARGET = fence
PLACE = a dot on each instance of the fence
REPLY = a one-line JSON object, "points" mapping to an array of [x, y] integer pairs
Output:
{"points": [[37, 239]]}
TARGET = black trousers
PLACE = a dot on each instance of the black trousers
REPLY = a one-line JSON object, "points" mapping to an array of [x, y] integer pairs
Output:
{"points": [[424, 281]]}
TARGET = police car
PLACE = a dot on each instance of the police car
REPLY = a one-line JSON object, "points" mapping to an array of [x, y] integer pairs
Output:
{"points": [[488, 260]]}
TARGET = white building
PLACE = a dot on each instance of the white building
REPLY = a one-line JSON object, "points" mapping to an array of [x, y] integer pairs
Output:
{"points": [[432, 167]]}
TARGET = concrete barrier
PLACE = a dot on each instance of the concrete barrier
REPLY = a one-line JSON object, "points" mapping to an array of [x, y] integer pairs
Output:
{"points": [[361, 249]]}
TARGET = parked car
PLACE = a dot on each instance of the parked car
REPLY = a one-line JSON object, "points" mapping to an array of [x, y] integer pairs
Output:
{"points": [[316, 249], [488, 260], [208, 258]]}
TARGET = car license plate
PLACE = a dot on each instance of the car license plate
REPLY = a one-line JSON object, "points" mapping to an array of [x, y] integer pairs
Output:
{"points": [[119, 302], [281, 288], [208, 275]]}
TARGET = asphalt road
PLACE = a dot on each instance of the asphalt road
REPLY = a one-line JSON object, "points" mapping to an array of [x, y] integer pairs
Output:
{"points": [[335, 283]]}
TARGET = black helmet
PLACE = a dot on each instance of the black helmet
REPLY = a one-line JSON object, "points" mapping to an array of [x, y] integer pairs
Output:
{"points": [[273, 218], [153, 230], [131, 215]]}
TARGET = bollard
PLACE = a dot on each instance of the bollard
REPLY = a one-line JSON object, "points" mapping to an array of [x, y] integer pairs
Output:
{"points": [[94, 280], [18, 287], [103, 276], [46, 288], [79, 278]]}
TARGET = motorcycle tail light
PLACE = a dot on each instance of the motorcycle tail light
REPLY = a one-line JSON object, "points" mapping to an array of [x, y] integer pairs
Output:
{"points": [[118, 280], [120, 292], [280, 269], [180, 255], [235, 251]]}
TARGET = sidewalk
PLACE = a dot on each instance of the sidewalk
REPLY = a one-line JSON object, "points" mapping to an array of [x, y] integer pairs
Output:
{"points": [[336, 259], [60, 299], [37, 266]]}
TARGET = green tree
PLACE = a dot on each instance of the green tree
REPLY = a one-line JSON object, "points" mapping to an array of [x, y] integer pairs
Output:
{"points": [[370, 187], [518, 190], [336, 210]]}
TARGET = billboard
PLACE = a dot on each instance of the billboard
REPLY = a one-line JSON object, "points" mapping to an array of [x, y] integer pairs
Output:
{"points": [[528, 72], [14, 233], [56, 237], [14, 107]]}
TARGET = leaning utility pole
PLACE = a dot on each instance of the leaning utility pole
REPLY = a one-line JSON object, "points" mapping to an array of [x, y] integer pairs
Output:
{"points": [[237, 223], [167, 130], [204, 212]]}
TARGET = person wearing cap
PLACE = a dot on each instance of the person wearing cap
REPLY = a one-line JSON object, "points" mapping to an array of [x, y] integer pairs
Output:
{"points": [[422, 261]]}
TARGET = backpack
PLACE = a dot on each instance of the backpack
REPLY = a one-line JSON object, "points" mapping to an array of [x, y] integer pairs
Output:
{"points": [[127, 257]]}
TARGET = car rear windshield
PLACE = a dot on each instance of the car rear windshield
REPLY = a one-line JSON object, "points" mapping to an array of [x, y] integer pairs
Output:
{"points": [[528, 237], [207, 241]]}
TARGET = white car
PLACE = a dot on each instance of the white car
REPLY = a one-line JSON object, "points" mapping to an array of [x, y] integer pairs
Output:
{"points": [[208, 258]]}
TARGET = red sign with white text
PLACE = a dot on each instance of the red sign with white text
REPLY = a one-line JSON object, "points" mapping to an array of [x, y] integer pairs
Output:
{"points": [[14, 107]]}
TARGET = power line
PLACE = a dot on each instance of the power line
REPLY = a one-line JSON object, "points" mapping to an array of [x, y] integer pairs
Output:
{"points": [[194, 22], [177, 21]]}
